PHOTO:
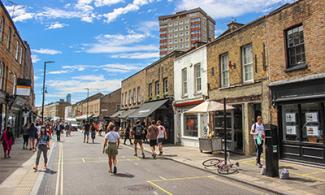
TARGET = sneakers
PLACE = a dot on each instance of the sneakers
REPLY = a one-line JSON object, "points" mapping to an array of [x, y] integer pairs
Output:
{"points": [[114, 170]]}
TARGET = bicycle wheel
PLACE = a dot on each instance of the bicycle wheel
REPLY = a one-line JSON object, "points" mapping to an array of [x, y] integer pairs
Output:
{"points": [[227, 169], [211, 162]]}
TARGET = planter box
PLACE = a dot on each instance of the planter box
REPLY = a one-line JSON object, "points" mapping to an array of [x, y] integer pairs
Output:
{"points": [[210, 145]]}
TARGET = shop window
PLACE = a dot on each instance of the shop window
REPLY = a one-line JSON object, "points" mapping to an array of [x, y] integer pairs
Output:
{"points": [[219, 125], [290, 123], [191, 125], [313, 126], [247, 62], [295, 47], [224, 70]]}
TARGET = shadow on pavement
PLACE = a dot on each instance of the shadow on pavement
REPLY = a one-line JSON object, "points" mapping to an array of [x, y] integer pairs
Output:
{"points": [[124, 175]]}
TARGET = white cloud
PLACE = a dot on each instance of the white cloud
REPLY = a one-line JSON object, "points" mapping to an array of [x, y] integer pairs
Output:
{"points": [[35, 58], [56, 25], [137, 55], [58, 72], [121, 68], [148, 26], [19, 13], [46, 51], [234, 8], [134, 6], [119, 43], [76, 67]]}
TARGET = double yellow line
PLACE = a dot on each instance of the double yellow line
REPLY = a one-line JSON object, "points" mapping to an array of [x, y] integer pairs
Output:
{"points": [[59, 176]]}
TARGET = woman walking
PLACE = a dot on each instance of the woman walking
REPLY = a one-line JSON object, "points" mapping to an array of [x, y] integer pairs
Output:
{"points": [[43, 147], [7, 141], [32, 136], [112, 141], [127, 134], [25, 136], [162, 136], [93, 132]]}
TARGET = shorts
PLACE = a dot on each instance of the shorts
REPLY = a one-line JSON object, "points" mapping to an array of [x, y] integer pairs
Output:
{"points": [[111, 149], [138, 141], [86, 133], [161, 140], [153, 142]]}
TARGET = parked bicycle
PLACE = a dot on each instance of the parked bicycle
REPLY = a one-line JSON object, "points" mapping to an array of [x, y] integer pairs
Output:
{"points": [[222, 167]]}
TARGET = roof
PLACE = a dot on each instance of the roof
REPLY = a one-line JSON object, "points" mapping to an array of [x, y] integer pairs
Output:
{"points": [[90, 98], [185, 12], [119, 89]]}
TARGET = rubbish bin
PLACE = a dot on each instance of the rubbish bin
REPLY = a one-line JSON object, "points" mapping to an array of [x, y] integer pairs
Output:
{"points": [[271, 150]]}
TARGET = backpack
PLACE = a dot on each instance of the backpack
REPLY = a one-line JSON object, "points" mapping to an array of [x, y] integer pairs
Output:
{"points": [[138, 130]]}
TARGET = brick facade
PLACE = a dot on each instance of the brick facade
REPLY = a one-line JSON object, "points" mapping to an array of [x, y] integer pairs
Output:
{"points": [[110, 103], [56, 109]]}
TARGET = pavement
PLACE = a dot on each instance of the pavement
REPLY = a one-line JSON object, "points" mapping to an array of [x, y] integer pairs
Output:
{"points": [[304, 178], [80, 168]]}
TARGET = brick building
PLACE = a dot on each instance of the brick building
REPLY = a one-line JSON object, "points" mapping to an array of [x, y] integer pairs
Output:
{"points": [[89, 107], [237, 69], [110, 103], [15, 64], [159, 88], [181, 31], [296, 44], [55, 111]]}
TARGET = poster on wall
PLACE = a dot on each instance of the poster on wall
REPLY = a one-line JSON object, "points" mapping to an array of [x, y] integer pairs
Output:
{"points": [[312, 131], [291, 130], [312, 117], [290, 117]]}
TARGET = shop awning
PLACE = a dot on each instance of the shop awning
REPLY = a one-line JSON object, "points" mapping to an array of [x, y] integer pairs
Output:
{"points": [[83, 117], [126, 113], [117, 114], [147, 108]]}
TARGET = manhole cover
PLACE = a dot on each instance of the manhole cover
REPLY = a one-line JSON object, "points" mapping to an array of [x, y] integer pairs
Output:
{"points": [[140, 188]]}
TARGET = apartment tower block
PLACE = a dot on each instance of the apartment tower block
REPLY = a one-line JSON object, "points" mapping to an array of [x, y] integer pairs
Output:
{"points": [[183, 30]]}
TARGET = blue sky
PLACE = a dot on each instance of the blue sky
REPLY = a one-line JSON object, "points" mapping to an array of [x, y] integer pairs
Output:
{"points": [[97, 43]]}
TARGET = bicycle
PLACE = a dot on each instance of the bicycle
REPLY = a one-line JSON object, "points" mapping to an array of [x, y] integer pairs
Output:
{"points": [[221, 166]]}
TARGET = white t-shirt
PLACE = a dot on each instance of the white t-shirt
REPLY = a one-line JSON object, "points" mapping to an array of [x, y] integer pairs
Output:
{"points": [[161, 131], [259, 129], [112, 136]]}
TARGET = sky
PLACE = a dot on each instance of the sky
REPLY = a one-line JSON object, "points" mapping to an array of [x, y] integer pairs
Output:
{"points": [[97, 43]]}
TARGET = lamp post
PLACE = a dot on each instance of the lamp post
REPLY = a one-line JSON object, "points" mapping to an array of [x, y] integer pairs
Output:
{"points": [[46, 62], [87, 103]]}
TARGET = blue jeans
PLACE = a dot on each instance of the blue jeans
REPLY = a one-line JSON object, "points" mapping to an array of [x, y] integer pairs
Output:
{"points": [[259, 151]]}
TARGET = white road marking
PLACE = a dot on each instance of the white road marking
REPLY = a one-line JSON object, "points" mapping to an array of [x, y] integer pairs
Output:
{"points": [[83, 160], [58, 172], [163, 178], [62, 172]]}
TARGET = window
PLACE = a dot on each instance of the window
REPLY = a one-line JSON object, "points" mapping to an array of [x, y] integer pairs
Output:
{"points": [[295, 46], [224, 70], [17, 50], [247, 62], [2, 24], [191, 125], [1, 75], [150, 90], [122, 98], [197, 77], [9, 39], [130, 96], [165, 86], [290, 122], [134, 96], [184, 82], [157, 88], [125, 98], [21, 55], [138, 94]]}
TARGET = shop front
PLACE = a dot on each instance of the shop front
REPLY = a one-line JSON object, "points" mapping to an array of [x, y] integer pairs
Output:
{"points": [[301, 118]]}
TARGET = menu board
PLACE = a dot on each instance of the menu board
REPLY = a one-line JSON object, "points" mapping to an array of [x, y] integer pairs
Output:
{"points": [[290, 117], [311, 117], [291, 130], [312, 131]]}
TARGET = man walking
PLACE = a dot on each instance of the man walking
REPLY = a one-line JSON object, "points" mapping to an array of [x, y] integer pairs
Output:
{"points": [[58, 128], [137, 133], [152, 134], [259, 135], [127, 135], [86, 131]]}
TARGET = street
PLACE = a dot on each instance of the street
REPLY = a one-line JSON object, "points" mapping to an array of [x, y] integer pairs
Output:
{"points": [[80, 168]]}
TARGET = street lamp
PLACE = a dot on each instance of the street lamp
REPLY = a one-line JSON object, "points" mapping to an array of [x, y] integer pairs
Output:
{"points": [[46, 62]]}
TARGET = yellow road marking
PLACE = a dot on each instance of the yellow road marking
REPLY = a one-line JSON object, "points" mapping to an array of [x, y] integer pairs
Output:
{"points": [[160, 188], [182, 178]]}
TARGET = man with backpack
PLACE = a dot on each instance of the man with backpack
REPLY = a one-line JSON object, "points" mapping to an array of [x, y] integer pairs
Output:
{"points": [[137, 131], [259, 135]]}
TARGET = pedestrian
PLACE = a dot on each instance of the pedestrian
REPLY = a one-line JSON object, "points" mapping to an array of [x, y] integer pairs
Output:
{"points": [[152, 135], [25, 136], [258, 133], [86, 131], [32, 137], [112, 141], [162, 136], [144, 132], [43, 147], [7, 139], [58, 129], [137, 134], [127, 134], [93, 132], [67, 130]]}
